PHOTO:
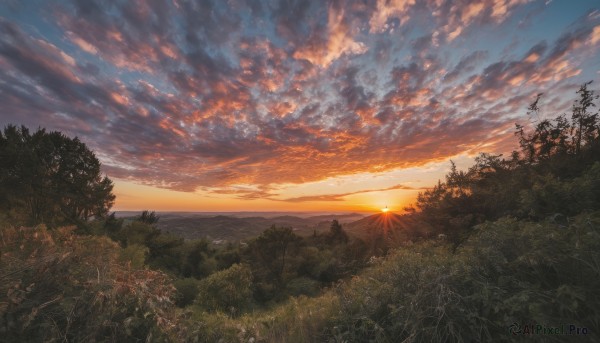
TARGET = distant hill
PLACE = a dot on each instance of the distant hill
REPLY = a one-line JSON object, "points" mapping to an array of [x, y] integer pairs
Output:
{"points": [[382, 222], [247, 214], [234, 228], [342, 218]]}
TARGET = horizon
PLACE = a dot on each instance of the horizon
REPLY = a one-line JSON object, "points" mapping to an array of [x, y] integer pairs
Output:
{"points": [[242, 214], [307, 212], [344, 106]]}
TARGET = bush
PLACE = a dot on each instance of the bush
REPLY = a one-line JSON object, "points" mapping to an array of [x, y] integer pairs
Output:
{"points": [[551, 195], [60, 286], [227, 291], [187, 291], [303, 286], [510, 271]]}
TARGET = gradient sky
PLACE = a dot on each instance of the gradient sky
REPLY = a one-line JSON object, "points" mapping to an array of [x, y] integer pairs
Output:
{"points": [[290, 105]]}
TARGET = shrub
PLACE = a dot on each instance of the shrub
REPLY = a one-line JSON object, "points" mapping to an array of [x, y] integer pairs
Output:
{"points": [[187, 291], [510, 271], [61, 286], [227, 291], [551, 195]]}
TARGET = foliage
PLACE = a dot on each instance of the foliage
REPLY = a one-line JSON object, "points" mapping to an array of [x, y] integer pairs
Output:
{"points": [[551, 195], [553, 173], [337, 233], [60, 286], [148, 217], [47, 177], [135, 254], [187, 291], [136, 232], [509, 271], [271, 248], [227, 291], [561, 136], [297, 320], [198, 259]]}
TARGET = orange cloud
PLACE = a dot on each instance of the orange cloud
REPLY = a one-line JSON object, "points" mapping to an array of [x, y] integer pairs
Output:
{"points": [[337, 42], [341, 196], [389, 9], [595, 35], [197, 96]]}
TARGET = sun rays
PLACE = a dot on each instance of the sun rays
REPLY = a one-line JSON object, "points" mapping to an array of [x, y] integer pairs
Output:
{"points": [[387, 221]]}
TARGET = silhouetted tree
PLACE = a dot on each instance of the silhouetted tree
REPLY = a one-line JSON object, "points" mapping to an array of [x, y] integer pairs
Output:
{"points": [[584, 125], [148, 217], [337, 233], [559, 136], [112, 226], [50, 178]]}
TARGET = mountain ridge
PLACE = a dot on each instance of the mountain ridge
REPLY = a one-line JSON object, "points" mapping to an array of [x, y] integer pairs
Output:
{"points": [[220, 227]]}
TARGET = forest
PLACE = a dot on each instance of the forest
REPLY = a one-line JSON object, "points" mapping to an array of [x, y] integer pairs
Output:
{"points": [[507, 249]]}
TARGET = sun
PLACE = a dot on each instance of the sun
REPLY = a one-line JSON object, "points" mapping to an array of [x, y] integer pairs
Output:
{"points": [[385, 209]]}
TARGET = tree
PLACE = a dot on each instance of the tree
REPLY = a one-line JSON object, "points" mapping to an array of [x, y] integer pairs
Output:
{"points": [[337, 233], [47, 177], [271, 249], [584, 124], [148, 217], [559, 136]]}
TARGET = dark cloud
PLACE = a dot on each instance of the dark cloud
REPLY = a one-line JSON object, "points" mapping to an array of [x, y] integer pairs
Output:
{"points": [[567, 42], [294, 19], [422, 43]]}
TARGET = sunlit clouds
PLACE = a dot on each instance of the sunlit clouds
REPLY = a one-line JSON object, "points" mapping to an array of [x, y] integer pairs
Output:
{"points": [[341, 105]]}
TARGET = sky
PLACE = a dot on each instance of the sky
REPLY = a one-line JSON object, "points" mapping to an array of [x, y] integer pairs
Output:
{"points": [[289, 105]]}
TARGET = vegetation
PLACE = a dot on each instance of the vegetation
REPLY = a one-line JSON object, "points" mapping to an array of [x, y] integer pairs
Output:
{"points": [[505, 244], [60, 286], [50, 178], [553, 174]]}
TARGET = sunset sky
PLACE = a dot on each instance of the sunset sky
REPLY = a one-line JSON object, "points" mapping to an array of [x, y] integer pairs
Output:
{"points": [[289, 105]]}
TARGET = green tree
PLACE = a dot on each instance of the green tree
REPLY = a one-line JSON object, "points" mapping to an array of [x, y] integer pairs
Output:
{"points": [[337, 233], [271, 249], [47, 177], [198, 261]]}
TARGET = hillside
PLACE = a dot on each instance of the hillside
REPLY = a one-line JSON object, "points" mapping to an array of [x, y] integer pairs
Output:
{"points": [[234, 228], [381, 223]]}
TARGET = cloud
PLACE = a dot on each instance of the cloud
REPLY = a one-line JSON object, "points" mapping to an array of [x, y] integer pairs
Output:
{"points": [[453, 17], [595, 35], [97, 32], [337, 40], [389, 9], [341, 196], [466, 65], [191, 95]]}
